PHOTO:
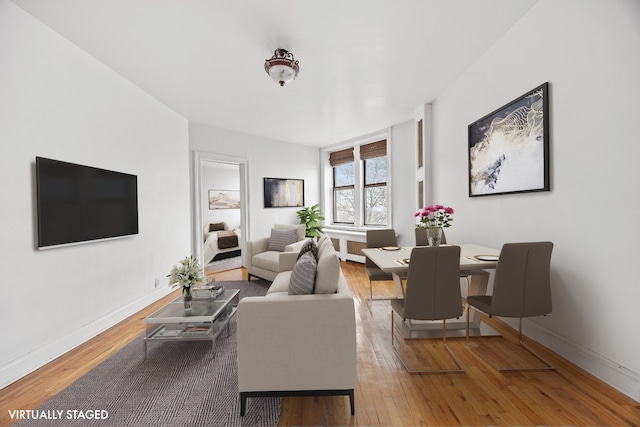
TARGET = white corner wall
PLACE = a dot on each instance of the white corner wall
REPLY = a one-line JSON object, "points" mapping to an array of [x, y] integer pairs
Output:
{"points": [[56, 101], [266, 158], [403, 181], [589, 52]]}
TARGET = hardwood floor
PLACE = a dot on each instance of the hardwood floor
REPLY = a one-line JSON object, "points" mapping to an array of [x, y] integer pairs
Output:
{"points": [[386, 395]]}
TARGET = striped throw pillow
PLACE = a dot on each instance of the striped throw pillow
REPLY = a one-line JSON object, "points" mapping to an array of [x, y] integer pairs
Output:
{"points": [[303, 275], [281, 238]]}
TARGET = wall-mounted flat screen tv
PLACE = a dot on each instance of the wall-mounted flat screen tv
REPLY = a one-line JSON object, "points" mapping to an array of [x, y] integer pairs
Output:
{"points": [[81, 203]]}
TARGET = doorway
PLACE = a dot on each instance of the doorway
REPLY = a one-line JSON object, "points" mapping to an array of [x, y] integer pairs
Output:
{"points": [[218, 181]]}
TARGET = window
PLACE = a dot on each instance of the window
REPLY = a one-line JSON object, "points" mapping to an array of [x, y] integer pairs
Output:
{"points": [[360, 175], [374, 158], [344, 180], [375, 191], [344, 193]]}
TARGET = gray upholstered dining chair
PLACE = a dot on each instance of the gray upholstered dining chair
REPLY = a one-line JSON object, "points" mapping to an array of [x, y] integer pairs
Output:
{"points": [[521, 288], [421, 240], [432, 293], [378, 239]]}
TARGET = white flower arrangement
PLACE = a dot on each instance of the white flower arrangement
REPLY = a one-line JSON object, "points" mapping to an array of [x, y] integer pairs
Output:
{"points": [[187, 274]]}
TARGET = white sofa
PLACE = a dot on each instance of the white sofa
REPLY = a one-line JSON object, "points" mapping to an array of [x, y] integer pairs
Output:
{"points": [[299, 345], [266, 264]]}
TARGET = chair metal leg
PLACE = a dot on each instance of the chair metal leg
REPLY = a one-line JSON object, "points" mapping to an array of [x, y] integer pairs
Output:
{"points": [[444, 339], [370, 300], [530, 350], [548, 366], [428, 371]]}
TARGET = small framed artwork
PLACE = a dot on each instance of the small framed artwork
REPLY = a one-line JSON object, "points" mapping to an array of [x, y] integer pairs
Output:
{"points": [[283, 192], [224, 199], [509, 148]]}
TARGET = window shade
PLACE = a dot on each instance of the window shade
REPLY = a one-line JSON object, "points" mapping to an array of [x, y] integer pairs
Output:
{"points": [[373, 150], [341, 157]]}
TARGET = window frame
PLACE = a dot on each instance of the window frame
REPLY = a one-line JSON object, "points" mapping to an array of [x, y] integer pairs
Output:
{"points": [[328, 182], [341, 188], [365, 186]]}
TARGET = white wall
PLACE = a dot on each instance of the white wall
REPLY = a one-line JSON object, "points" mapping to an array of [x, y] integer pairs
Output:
{"points": [[589, 52], [403, 181], [58, 102], [267, 158]]}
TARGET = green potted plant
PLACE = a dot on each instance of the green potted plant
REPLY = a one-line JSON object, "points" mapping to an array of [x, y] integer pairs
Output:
{"points": [[310, 217]]}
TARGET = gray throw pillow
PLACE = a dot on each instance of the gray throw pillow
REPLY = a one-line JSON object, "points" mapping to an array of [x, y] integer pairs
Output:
{"points": [[281, 238], [303, 275], [309, 246]]}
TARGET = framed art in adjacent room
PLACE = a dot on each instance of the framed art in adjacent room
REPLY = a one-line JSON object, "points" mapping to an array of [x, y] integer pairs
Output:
{"points": [[283, 192], [509, 148], [224, 199]]}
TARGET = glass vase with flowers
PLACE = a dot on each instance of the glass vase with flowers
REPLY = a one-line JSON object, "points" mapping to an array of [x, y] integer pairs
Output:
{"points": [[433, 219], [187, 274]]}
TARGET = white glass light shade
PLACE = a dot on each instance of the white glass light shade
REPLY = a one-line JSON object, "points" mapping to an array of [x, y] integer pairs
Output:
{"points": [[282, 74], [282, 67]]}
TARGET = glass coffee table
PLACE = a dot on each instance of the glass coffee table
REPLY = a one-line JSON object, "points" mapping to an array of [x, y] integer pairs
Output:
{"points": [[204, 321]]}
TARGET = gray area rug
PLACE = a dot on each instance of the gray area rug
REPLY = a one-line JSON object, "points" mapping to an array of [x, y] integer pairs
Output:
{"points": [[180, 384], [222, 265]]}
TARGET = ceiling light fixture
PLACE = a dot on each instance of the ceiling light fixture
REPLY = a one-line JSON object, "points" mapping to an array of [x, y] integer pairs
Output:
{"points": [[282, 67]]}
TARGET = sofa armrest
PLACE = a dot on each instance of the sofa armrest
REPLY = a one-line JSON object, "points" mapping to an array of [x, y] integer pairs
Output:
{"points": [[255, 247], [295, 247], [286, 260], [296, 342]]}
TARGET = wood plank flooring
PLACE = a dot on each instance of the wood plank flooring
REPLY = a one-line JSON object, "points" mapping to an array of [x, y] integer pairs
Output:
{"points": [[386, 395]]}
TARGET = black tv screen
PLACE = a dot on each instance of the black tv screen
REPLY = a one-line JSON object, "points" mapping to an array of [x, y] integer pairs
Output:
{"points": [[81, 203]]}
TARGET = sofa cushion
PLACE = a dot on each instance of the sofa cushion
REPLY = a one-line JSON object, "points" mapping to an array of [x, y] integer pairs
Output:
{"points": [[309, 246], [328, 272], [281, 238], [303, 275], [280, 284], [327, 243], [322, 239], [269, 260]]}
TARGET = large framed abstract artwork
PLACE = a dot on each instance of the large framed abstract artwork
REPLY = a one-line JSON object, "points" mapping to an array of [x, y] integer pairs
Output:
{"points": [[283, 192], [509, 148]]}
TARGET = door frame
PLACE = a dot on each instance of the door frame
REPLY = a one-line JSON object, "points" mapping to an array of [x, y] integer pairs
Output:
{"points": [[199, 158]]}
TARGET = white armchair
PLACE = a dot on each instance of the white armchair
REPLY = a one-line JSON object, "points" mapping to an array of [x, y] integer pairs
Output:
{"points": [[266, 264]]}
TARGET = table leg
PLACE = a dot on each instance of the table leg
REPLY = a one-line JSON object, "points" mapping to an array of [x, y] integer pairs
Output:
{"points": [[397, 281]]}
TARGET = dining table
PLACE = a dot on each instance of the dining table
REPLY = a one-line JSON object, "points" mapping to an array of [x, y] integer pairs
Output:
{"points": [[476, 262]]}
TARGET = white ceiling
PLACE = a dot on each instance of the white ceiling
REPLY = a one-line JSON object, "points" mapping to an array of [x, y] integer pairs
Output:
{"points": [[364, 64]]}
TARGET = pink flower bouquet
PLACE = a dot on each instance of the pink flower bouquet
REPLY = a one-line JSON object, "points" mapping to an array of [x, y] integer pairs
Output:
{"points": [[434, 216]]}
